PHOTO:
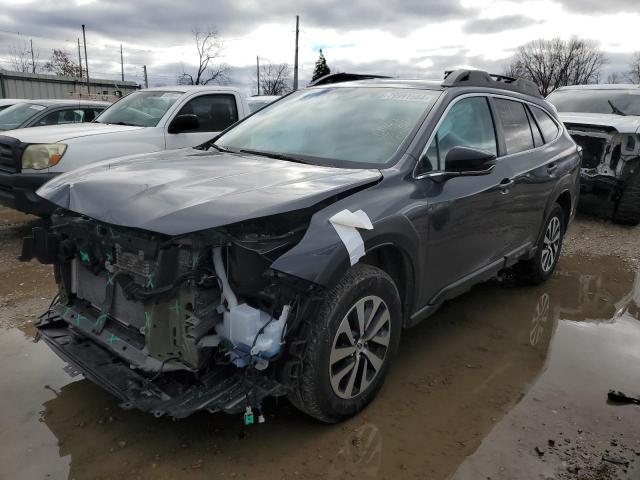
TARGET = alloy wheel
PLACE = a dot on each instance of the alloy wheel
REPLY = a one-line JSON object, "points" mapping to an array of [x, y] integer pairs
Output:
{"points": [[359, 348], [551, 247]]}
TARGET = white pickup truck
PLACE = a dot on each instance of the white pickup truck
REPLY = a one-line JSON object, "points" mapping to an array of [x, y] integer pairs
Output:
{"points": [[145, 121]]}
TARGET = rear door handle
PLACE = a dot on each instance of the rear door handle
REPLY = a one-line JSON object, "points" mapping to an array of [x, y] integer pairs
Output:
{"points": [[551, 167], [506, 184]]}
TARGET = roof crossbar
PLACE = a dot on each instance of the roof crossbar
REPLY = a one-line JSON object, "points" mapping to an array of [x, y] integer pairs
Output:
{"points": [[480, 78]]}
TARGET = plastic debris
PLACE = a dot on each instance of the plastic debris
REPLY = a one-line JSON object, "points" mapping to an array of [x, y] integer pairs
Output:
{"points": [[248, 416]]}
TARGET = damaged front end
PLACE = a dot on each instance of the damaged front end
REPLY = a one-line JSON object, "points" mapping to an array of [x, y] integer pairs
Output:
{"points": [[609, 157], [174, 324]]}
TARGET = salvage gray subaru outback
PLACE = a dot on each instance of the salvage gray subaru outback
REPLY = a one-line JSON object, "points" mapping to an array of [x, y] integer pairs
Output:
{"points": [[287, 255]]}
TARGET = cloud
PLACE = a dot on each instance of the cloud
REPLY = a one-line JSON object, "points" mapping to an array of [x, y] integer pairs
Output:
{"points": [[164, 21], [590, 7], [499, 24], [407, 38]]}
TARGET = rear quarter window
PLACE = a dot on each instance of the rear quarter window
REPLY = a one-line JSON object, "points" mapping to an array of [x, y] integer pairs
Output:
{"points": [[548, 127]]}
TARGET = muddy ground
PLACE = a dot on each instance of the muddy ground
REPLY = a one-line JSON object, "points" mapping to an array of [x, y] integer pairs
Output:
{"points": [[506, 382]]}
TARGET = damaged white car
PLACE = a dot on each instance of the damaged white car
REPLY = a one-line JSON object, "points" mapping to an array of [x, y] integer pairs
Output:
{"points": [[605, 121]]}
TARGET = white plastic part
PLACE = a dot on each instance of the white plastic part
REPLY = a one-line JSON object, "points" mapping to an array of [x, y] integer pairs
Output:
{"points": [[346, 224], [218, 266], [241, 325]]}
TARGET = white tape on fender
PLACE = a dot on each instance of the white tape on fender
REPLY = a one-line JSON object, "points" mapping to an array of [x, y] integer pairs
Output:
{"points": [[346, 224]]}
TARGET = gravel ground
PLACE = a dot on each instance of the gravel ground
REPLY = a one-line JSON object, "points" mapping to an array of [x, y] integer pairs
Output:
{"points": [[494, 377], [591, 237]]}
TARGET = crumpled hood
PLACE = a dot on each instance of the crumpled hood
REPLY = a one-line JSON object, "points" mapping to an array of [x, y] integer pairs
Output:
{"points": [[60, 133], [182, 191], [623, 124]]}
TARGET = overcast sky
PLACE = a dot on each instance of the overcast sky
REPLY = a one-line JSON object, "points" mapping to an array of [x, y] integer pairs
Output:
{"points": [[411, 38]]}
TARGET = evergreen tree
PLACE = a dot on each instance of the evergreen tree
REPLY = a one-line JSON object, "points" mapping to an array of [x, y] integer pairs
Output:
{"points": [[321, 69]]}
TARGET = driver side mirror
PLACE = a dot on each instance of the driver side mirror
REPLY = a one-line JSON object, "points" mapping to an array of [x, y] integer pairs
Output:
{"points": [[465, 160], [184, 123]]}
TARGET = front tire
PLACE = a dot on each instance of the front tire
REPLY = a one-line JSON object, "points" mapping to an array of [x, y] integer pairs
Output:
{"points": [[539, 268], [349, 345], [627, 210]]}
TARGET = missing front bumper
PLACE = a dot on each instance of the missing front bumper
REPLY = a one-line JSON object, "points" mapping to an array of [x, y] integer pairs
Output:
{"points": [[176, 394]]}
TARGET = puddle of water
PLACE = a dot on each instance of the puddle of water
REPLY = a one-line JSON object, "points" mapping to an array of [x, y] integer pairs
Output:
{"points": [[456, 381], [566, 416], [29, 449]]}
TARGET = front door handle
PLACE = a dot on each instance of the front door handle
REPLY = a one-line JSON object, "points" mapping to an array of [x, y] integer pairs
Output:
{"points": [[506, 184]]}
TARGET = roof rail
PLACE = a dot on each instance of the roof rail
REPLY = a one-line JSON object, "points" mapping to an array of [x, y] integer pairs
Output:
{"points": [[480, 78], [343, 77]]}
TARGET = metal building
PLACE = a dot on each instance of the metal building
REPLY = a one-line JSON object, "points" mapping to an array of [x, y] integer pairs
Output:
{"points": [[37, 85]]}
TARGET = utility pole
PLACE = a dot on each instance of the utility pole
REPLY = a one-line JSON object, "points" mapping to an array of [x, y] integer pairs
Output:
{"points": [[33, 62], [79, 58], [86, 60], [258, 72], [295, 62], [121, 63], [146, 80]]}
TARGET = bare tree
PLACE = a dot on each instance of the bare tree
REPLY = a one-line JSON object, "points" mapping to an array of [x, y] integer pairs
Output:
{"points": [[634, 68], [614, 77], [210, 69], [274, 79], [556, 63], [60, 63], [20, 58]]}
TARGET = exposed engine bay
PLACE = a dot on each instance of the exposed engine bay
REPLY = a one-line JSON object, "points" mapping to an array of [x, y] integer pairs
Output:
{"points": [[608, 156], [173, 325]]}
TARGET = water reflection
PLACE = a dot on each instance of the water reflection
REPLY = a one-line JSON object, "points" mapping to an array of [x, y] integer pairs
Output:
{"points": [[454, 378], [539, 319], [565, 414], [360, 455]]}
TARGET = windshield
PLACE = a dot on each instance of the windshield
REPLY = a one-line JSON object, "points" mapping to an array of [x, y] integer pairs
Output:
{"points": [[16, 115], [620, 102], [341, 124], [141, 109]]}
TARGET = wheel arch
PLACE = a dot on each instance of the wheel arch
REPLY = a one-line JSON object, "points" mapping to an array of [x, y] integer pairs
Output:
{"points": [[396, 263], [565, 201]]}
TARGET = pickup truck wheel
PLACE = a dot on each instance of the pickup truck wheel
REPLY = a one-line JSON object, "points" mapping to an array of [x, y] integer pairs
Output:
{"points": [[539, 268], [627, 210], [349, 345]]}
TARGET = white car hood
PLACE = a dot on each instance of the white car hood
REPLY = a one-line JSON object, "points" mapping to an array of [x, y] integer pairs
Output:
{"points": [[623, 124], [59, 133]]}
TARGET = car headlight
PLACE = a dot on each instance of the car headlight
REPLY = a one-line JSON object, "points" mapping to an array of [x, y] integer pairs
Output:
{"points": [[42, 155]]}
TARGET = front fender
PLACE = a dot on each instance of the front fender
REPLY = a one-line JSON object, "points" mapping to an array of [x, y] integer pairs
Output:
{"points": [[322, 258]]}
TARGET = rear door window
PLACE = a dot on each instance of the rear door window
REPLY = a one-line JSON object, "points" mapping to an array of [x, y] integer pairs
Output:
{"points": [[548, 127], [468, 123], [215, 112], [515, 125]]}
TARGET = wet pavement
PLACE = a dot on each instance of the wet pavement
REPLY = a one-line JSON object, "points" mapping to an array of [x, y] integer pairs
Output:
{"points": [[506, 382]]}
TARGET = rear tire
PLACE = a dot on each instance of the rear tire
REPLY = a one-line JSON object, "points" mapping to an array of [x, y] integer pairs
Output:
{"points": [[539, 268], [349, 345], [627, 210]]}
